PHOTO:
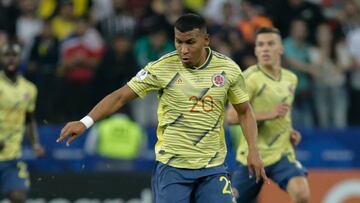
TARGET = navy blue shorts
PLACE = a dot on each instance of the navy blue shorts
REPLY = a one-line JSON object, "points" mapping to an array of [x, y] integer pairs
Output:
{"points": [[13, 176], [280, 172], [208, 185]]}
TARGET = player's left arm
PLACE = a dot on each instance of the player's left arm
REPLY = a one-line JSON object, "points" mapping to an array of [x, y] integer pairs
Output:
{"points": [[248, 124], [33, 134]]}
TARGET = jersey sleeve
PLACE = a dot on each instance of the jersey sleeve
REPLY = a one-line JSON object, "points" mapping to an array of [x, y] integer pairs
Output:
{"points": [[146, 80], [295, 81], [251, 87], [238, 91], [32, 101]]}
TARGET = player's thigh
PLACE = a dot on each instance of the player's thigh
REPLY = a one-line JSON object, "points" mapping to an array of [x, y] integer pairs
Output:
{"points": [[169, 185], [245, 189], [284, 170], [213, 189], [15, 177], [174, 193]]}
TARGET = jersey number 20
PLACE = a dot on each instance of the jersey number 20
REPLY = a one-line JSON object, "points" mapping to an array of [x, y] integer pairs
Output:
{"points": [[207, 104]]}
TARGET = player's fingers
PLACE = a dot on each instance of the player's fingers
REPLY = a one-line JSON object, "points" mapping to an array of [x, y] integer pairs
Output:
{"points": [[257, 173], [286, 105], [235, 192], [250, 169], [285, 109], [264, 176], [64, 133], [296, 138], [296, 141], [71, 139]]}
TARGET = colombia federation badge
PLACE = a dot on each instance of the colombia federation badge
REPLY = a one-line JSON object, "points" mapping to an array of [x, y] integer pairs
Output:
{"points": [[218, 80]]}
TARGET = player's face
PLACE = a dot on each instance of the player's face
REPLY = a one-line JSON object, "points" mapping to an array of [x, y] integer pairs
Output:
{"points": [[268, 49], [10, 59], [190, 46]]}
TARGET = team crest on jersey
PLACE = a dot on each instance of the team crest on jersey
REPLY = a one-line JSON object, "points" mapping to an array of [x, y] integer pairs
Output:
{"points": [[141, 75], [218, 80]]}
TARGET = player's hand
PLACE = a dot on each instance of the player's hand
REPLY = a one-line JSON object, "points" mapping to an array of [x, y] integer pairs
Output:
{"points": [[295, 137], [71, 130], [281, 110], [39, 150], [256, 164]]}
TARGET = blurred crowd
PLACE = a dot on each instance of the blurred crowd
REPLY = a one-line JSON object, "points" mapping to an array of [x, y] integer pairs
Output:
{"points": [[77, 51]]}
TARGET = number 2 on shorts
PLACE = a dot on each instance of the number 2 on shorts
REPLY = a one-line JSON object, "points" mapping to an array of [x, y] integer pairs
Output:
{"points": [[226, 189], [22, 170]]}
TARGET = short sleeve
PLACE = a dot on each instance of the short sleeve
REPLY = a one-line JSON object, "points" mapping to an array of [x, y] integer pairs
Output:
{"points": [[251, 87], [295, 81], [32, 101], [145, 80], [238, 91]]}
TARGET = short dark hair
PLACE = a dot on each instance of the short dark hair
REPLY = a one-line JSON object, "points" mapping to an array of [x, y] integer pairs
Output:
{"points": [[264, 30], [190, 21]]}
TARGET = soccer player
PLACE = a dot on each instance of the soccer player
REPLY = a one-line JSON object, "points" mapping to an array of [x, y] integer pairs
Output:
{"points": [[271, 92], [17, 104], [193, 85]]}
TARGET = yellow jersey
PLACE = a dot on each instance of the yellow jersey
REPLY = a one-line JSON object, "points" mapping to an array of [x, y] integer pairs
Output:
{"points": [[16, 99], [191, 107], [265, 93]]}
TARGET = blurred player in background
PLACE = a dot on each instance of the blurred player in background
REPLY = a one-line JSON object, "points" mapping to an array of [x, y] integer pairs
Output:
{"points": [[17, 105], [271, 91], [193, 85]]}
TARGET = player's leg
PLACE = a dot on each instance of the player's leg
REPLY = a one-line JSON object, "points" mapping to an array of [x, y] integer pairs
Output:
{"points": [[170, 185], [298, 189], [15, 181], [213, 189], [291, 177], [245, 189]]}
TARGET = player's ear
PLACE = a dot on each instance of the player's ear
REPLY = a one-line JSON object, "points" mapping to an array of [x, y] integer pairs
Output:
{"points": [[207, 39], [281, 49], [255, 50]]}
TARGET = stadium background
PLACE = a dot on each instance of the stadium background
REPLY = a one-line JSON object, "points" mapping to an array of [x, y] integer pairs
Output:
{"points": [[78, 51]]}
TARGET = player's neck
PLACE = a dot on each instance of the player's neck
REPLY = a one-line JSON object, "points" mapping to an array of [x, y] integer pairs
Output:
{"points": [[204, 55], [11, 76], [273, 70]]}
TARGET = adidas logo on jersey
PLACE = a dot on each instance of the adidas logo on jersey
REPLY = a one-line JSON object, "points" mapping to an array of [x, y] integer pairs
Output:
{"points": [[179, 81]]}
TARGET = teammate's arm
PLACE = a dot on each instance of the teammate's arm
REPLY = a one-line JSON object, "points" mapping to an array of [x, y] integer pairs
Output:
{"points": [[278, 111], [247, 122], [107, 106], [33, 134]]}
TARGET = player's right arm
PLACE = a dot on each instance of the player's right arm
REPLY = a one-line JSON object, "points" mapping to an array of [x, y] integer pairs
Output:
{"points": [[107, 106], [248, 125]]}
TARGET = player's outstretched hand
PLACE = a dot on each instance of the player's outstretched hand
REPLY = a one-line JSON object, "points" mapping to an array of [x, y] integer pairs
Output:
{"points": [[71, 130], [255, 164]]}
